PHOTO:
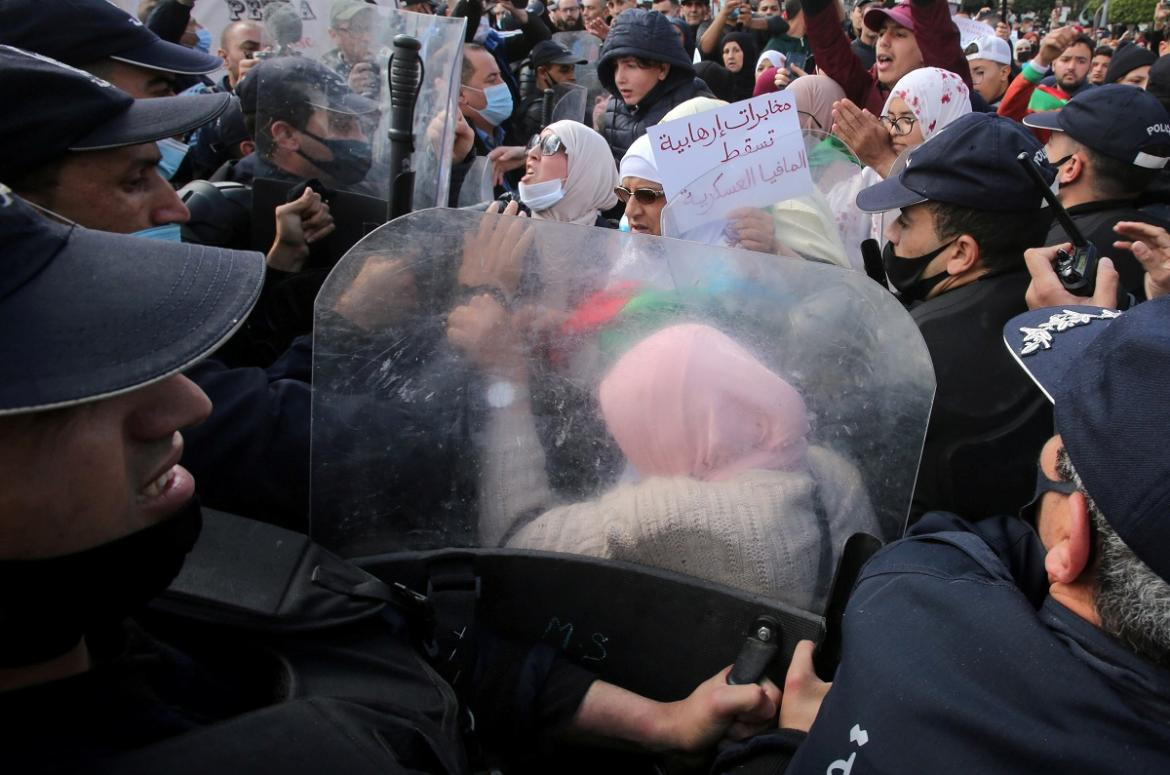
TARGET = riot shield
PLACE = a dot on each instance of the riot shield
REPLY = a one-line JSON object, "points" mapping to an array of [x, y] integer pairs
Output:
{"points": [[585, 46], [477, 188], [573, 104], [808, 226], [589, 417], [331, 109], [394, 398]]}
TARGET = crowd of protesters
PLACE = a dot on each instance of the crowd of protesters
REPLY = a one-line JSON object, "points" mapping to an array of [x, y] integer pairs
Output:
{"points": [[172, 200]]}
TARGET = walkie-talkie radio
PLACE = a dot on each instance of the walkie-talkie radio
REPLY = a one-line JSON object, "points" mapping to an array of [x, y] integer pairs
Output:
{"points": [[1077, 270]]}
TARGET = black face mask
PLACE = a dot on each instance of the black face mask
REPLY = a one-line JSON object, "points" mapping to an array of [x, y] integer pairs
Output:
{"points": [[905, 273], [351, 159], [48, 605]]}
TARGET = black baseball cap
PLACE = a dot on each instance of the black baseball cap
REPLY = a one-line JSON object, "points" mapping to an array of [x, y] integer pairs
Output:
{"points": [[85, 314], [51, 108], [970, 163], [294, 80], [549, 52], [1121, 121], [1107, 374], [1159, 81], [80, 32]]}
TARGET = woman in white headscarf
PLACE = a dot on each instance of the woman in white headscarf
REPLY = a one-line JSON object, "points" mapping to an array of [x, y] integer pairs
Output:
{"points": [[569, 175], [768, 59], [920, 105]]}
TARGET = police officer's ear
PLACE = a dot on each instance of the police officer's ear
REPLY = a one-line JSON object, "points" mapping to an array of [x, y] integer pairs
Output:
{"points": [[284, 135], [964, 255], [1069, 541]]}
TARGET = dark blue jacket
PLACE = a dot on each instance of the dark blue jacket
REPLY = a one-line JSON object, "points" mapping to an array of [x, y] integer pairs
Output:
{"points": [[955, 659], [647, 35]]}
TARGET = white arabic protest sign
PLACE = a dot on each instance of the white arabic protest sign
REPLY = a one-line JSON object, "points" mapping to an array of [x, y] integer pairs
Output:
{"points": [[747, 154], [969, 29]]}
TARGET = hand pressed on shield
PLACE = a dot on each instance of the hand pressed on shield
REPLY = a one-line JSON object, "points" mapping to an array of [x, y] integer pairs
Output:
{"points": [[1150, 245], [383, 292], [866, 135], [803, 690], [299, 224], [493, 255], [1045, 289], [751, 228], [483, 330]]}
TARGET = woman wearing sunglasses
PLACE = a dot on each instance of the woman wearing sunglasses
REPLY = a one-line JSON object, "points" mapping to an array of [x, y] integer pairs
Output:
{"points": [[569, 175]]}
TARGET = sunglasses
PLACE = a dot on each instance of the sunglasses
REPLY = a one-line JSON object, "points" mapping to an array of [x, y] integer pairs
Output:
{"points": [[646, 196], [549, 145]]}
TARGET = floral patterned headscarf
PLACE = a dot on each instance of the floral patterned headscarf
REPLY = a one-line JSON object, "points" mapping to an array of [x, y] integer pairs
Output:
{"points": [[935, 96]]}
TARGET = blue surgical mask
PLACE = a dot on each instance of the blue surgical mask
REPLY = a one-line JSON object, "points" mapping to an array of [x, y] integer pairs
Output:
{"points": [[204, 42], [499, 103], [541, 196], [170, 232], [173, 152]]}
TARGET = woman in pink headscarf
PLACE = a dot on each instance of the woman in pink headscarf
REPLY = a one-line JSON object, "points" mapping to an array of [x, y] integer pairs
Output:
{"points": [[724, 485]]}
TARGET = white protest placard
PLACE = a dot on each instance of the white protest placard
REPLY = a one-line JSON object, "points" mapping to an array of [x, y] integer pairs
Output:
{"points": [[969, 29], [217, 14], [747, 154]]}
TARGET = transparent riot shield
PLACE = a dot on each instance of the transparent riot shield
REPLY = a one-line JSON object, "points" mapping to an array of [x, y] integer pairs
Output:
{"points": [[477, 188], [585, 46], [325, 115], [573, 104], [497, 382], [812, 226]]}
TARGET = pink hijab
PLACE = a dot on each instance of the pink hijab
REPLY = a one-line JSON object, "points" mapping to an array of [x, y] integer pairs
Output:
{"points": [[689, 401]]}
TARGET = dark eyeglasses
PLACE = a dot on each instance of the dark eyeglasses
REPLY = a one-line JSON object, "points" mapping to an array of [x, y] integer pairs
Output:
{"points": [[902, 125], [550, 144], [646, 196]]}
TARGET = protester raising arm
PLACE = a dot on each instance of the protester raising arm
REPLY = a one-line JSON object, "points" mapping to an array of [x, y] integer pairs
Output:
{"points": [[1015, 100]]}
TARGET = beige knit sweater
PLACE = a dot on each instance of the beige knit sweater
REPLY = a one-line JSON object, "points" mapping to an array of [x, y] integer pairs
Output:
{"points": [[757, 531]]}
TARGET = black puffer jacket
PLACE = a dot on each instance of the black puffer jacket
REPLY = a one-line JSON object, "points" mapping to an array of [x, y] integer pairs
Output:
{"points": [[647, 35]]}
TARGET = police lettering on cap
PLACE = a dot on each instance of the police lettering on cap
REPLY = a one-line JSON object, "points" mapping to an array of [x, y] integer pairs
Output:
{"points": [[1120, 121], [971, 163], [51, 108], [1108, 375], [81, 32]]}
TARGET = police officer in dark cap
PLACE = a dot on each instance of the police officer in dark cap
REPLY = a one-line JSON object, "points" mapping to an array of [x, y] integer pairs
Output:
{"points": [[553, 65], [97, 519], [99, 37], [1105, 163], [968, 211], [1019, 645]]}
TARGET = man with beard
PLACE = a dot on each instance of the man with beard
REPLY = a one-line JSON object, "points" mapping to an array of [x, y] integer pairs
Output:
{"points": [[1069, 53]]}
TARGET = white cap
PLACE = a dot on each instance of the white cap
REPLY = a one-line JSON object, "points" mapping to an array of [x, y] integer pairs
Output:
{"points": [[989, 47]]}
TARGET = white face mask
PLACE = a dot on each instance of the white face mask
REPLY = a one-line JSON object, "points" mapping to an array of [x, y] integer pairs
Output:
{"points": [[541, 196]]}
